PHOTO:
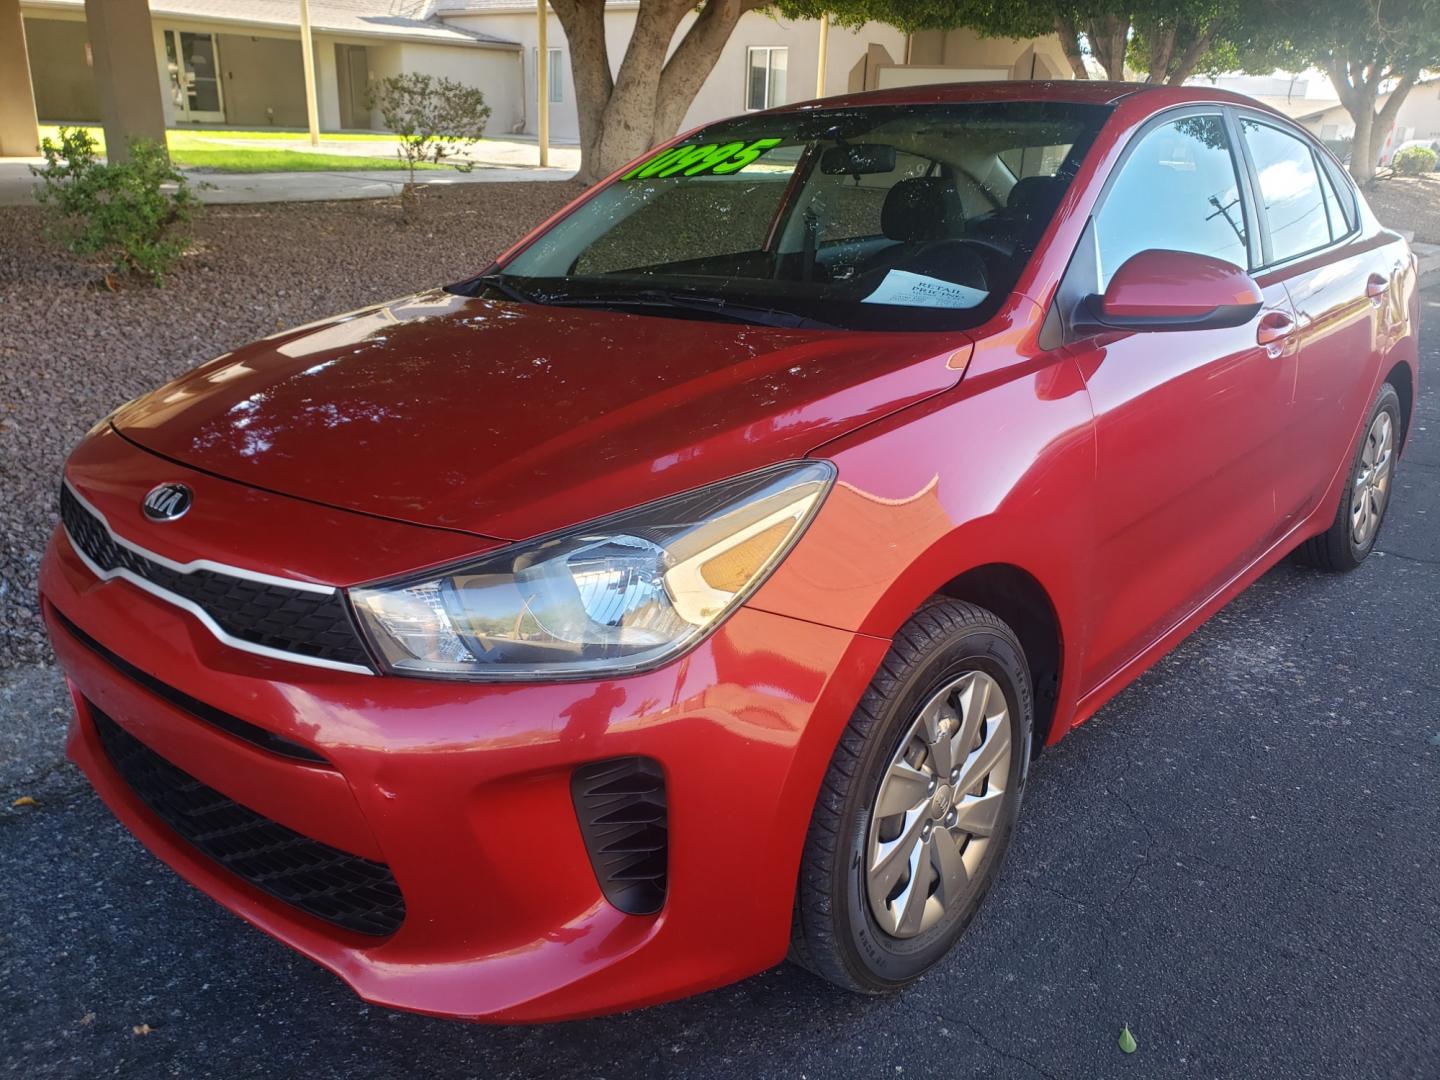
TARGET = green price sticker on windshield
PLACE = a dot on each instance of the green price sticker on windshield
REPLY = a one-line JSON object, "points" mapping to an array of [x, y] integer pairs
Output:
{"points": [[717, 159]]}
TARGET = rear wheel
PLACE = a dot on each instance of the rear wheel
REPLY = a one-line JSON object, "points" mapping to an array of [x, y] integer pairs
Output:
{"points": [[919, 804], [1352, 535]]}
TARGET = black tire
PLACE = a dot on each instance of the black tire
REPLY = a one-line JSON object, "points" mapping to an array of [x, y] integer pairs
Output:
{"points": [[835, 935], [1335, 550]]}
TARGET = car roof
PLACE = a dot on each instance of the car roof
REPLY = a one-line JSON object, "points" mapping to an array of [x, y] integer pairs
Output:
{"points": [[1078, 91]]}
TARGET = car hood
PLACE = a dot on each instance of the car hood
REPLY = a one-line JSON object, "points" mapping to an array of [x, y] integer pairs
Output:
{"points": [[508, 420]]}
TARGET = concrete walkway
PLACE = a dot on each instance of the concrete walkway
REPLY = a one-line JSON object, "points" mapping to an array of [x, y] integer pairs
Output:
{"points": [[17, 183], [1429, 256], [507, 152], [496, 160]]}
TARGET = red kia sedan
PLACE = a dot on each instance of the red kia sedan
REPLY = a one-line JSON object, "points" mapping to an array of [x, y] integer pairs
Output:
{"points": [[693, 586]]}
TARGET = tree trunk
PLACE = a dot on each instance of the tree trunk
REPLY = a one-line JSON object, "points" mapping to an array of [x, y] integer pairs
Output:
{"points": [[1357, 81], [1160, 47], [584, 25], [648, 97], [693, 60], [1189, 60], [1362, 155], [1385, 119], [1069, 35], [1109, 36]]}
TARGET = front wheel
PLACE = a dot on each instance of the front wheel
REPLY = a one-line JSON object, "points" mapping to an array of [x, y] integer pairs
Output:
{"points": [[918, 806], [1352, 535]]}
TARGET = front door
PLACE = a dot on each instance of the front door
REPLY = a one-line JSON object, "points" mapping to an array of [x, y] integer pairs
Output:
{"points": [[352, 70], [1190, 426], [194, 64]]}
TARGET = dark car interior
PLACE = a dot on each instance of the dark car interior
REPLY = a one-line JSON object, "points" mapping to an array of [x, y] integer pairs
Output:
{"points": [[883, 218], [940, 221]]}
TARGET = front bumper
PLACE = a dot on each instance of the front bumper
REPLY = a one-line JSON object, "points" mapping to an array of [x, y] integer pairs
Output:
{"points": [[463, 791]]}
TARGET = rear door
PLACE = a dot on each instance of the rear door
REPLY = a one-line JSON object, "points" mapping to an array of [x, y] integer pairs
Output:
{"points": [[1190, 425], [1340, 282]]}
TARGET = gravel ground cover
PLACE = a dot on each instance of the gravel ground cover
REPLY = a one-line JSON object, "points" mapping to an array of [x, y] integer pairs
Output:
{"points": [[1409, 202], [70, 351]]}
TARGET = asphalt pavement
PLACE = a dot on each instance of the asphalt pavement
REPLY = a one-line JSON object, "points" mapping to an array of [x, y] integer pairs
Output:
{"points": [[1239, 858]]}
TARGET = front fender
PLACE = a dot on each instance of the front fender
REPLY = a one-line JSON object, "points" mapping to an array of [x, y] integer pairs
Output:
{"points": [[999, 470]]}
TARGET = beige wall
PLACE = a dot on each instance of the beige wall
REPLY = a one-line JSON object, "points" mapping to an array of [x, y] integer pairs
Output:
{"points": [[1418, 118], [723, 92], [494, 72], [262, 71], [1420, 114], [977, 57], [520, 112], [60, 70], [264, 81]]}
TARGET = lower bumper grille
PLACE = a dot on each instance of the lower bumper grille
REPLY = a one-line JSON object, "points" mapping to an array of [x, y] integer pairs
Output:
{"points": [[624, 819], [344, 890]]}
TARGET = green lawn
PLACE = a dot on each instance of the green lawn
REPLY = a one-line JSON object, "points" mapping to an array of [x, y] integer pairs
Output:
{"points": [[205, 149], [271, 133], [250, 159]]}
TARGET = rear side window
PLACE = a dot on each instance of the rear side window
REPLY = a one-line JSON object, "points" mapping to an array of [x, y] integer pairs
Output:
{"points": [[1290, 193], [1344, 194], [1334, 208], [1177, 190]]}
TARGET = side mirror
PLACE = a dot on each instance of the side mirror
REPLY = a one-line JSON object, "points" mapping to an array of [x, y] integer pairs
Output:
{"points": [[1176, 290]]}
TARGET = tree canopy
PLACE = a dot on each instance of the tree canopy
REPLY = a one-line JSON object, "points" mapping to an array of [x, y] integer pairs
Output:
{"points": [[1364, 45], [1367, 47], [1164, 40]]}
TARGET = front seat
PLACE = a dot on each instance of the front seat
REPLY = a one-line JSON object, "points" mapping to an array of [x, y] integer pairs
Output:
{"points": [[922, 208], [1033, 199], [920, 214]]}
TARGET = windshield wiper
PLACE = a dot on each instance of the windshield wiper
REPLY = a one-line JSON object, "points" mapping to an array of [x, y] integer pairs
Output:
{"points": [[709, 305], [508, 290]]}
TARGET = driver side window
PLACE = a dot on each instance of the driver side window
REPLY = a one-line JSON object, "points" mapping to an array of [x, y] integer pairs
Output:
{"points": [[1177, 190]]}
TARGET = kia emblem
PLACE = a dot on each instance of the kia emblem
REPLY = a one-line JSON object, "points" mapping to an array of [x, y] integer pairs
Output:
{"points": [[167, 502]]}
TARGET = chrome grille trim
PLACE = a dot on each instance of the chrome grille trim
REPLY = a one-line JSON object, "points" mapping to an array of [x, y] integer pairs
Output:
{"points": [[188, 605]]}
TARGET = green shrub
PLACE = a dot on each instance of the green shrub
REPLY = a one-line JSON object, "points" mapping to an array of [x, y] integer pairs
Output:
{"points": [[434, 119], [119, 211], [1414, 160]]}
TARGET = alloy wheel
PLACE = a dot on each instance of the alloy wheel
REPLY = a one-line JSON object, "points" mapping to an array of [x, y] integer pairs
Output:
{"points": [[1372, 482], [938, 805]]}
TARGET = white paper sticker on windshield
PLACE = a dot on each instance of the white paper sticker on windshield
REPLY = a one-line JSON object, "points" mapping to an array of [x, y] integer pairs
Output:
{"points": [[917, 290]]}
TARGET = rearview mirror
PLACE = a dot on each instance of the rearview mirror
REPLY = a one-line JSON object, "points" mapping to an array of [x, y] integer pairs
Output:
{"points": [[1176, 290], [858, 159]]}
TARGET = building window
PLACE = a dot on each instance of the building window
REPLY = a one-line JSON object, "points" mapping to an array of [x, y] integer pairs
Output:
{"points": [[555, 73], [765, 84]]}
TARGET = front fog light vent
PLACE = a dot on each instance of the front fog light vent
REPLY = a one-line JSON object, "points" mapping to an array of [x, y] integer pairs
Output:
{"points": [[621, 807]]}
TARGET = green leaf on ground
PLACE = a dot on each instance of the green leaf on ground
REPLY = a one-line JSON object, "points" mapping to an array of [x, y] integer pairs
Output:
{"points": [[1127, 1041]]}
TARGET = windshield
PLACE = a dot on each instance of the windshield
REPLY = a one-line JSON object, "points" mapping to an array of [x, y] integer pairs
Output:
{"points": [[916, 217]]}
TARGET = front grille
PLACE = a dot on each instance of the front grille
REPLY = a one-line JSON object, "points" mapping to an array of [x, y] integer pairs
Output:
{"points": [[300, 621], [232, 725], [624, 820], [344, 890]]}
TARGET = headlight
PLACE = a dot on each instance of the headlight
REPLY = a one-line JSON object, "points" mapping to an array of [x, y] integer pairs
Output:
{"points": [[613, 596]]}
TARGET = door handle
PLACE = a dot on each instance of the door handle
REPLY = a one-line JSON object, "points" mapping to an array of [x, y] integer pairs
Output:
{"points": [[1274, 326], [1376, 287]]}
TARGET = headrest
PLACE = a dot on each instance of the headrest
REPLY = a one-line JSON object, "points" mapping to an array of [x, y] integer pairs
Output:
{"points": [[1035, 197], [922, 208]]}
